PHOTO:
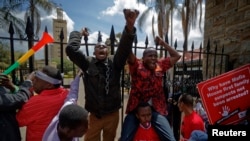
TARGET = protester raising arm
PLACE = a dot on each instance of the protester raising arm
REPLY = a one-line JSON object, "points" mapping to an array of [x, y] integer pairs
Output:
{"points": [[17, 96], [68, 128], [146, 86], [37, 113], [174, 55], [10, 102], [102, 73]]}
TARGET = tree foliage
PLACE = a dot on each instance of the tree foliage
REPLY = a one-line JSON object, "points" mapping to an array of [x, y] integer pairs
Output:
{"points": [[67, 64], [164, 12], [5, 60], [7, 16], [4, 55], [32, 8]]}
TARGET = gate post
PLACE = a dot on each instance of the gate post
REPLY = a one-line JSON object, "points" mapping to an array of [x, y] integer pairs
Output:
{"points": [[11, 31], [61, 44], [30, 34]]}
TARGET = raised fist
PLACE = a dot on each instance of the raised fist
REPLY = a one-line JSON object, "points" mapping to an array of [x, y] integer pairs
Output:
{"points": [[130, 16], [158, 40], [6, 82], [85, 32]]}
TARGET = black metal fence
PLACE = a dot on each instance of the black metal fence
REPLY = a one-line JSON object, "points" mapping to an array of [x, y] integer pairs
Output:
{"points": [[196, 65]]}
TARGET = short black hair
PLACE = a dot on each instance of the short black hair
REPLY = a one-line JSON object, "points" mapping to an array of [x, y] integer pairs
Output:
{"points": [[72, 116], [187, 99], [52, 72], [142, 105], [147, 50]]}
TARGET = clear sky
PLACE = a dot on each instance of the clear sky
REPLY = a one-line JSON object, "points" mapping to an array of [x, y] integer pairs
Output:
{"points": [[101, 15]]}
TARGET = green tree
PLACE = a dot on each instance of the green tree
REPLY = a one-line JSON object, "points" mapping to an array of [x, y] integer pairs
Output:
{"points": [[164, 10], [189, 16], [67, 65], [7, 16], [4, 55], [32, 9]]}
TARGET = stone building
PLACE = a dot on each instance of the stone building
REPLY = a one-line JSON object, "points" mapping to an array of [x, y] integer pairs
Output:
{"points": [[227, 25], [59, 24]]}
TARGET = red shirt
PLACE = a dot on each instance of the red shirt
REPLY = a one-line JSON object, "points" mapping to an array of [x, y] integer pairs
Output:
{"points": [[146, 134], [190, 123], [147, 84], [38, 112]]}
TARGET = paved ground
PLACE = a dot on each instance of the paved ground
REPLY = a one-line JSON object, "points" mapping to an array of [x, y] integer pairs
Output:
{"points": [[81, 102]]}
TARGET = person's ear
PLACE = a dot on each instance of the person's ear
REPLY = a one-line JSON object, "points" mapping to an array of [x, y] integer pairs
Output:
{"points": [[64, 130], [143, 57]]}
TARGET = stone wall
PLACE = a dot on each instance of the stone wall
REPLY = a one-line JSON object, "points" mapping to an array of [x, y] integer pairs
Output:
{"points": [[227, 23]]}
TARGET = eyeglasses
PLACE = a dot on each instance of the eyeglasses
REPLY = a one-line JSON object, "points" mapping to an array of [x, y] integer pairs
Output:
{"points": [[100, 46]]}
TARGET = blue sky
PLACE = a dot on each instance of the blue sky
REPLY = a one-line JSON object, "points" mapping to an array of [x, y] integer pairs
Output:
{"points": [[90, 14], [101, 15]]}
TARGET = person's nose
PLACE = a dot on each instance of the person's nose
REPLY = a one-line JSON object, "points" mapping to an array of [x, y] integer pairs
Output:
{"points": [[148, 118], [154, 57]]}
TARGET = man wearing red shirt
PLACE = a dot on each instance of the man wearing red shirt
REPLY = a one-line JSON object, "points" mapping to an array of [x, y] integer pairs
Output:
{"points": [[191, 120], [38, 112], [147, 86]]}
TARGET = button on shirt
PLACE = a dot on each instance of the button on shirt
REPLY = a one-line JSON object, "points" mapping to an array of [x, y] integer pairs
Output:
{"points": [[148, 85]]}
